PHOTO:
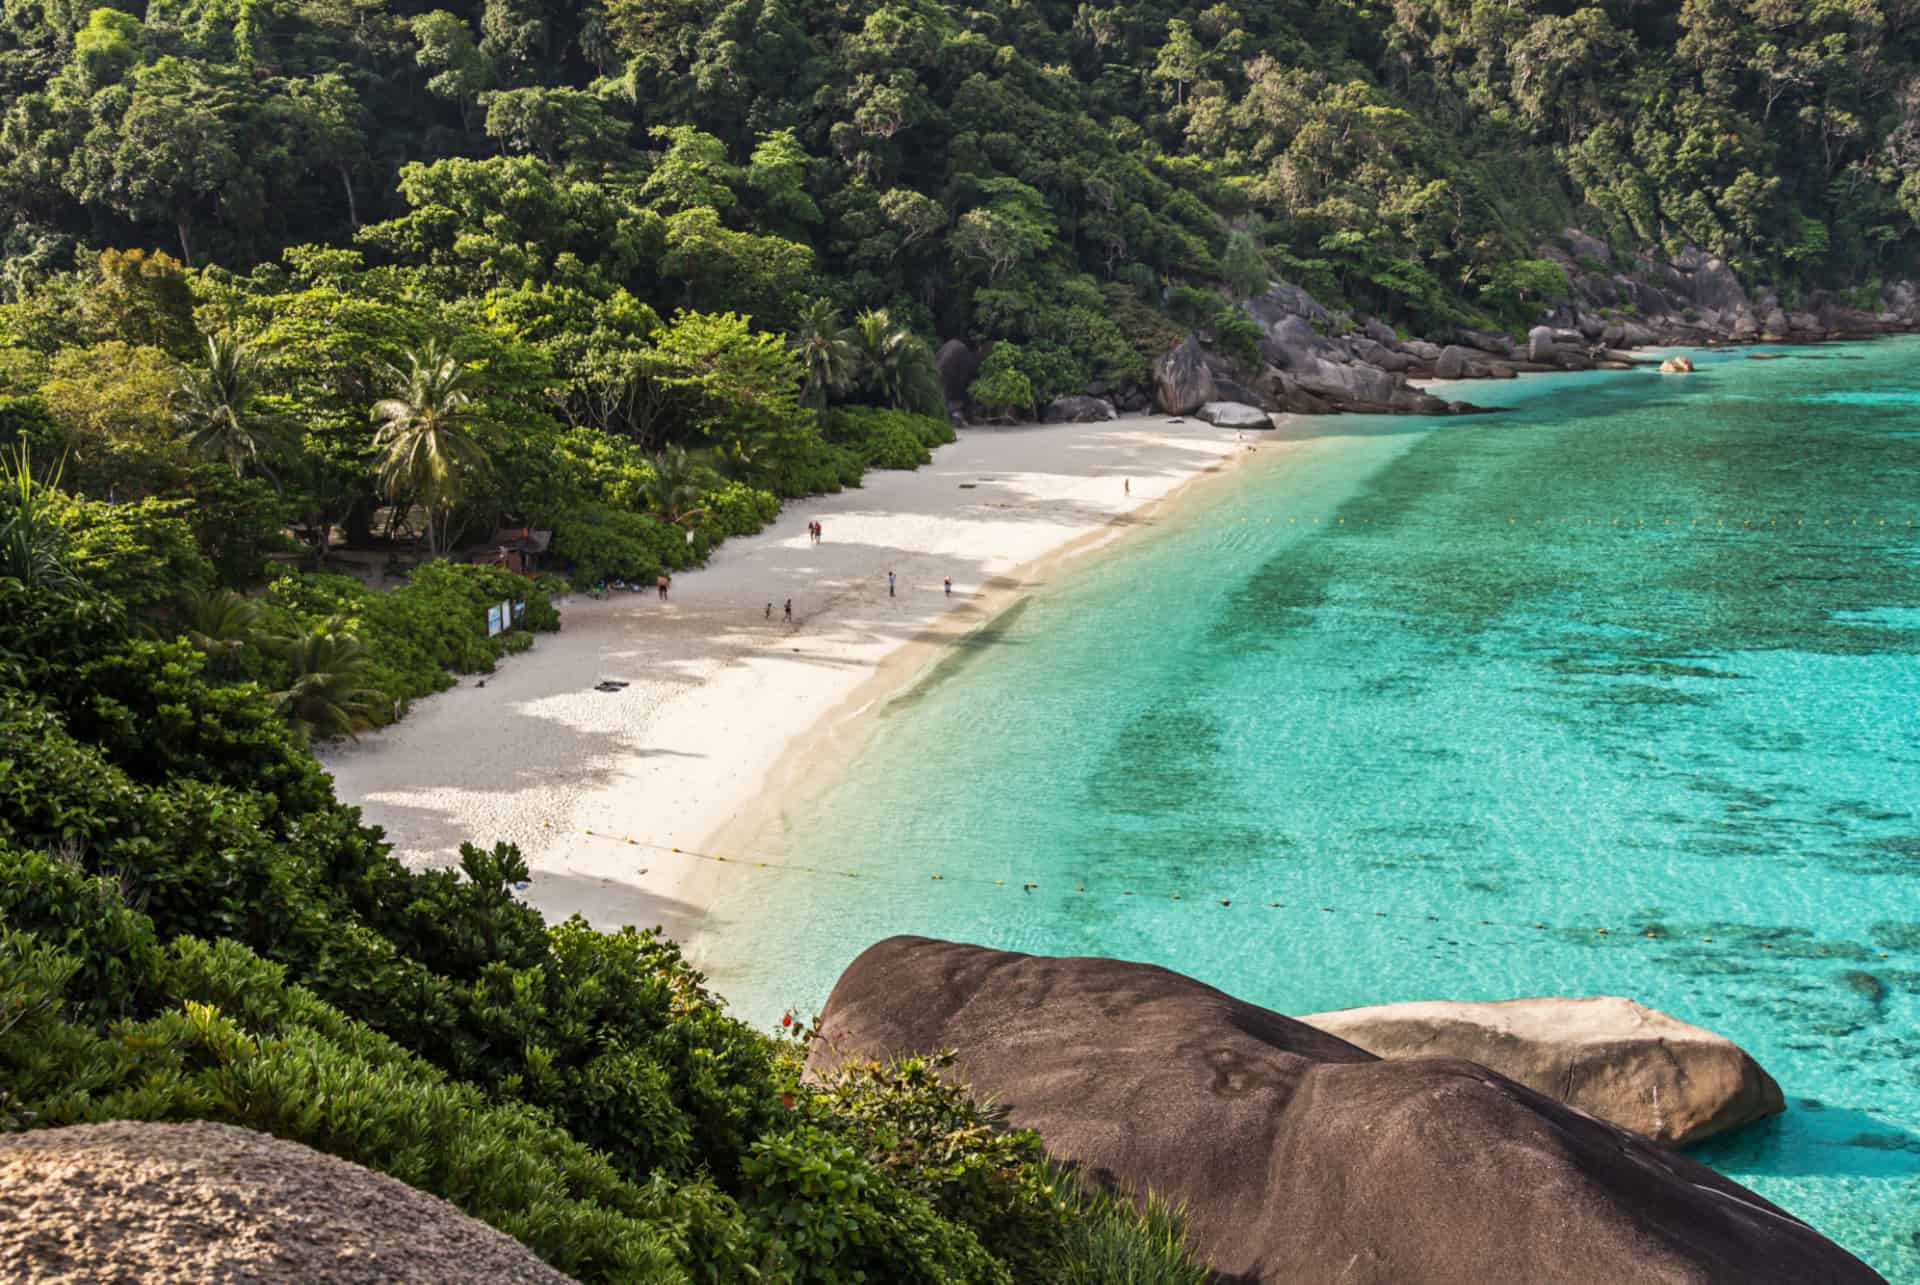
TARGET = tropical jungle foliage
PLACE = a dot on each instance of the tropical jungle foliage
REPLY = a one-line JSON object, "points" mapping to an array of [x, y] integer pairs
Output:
{"points": [[618, 267], [192, 927]]}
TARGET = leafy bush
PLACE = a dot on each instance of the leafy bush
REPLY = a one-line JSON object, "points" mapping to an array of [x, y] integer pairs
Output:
{"points": [[417, 636], [604, 543], [1238, 336], [888, 439]]}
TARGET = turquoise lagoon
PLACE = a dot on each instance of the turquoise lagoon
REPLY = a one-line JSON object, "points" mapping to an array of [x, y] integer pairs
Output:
{"points": [[1637, 656]]}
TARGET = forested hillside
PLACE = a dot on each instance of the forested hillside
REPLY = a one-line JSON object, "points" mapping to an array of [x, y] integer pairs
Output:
{"points": [[983, 170], [639, 226]]}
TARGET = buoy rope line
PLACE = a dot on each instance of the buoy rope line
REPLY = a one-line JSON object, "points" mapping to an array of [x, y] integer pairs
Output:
{"points": [[1606, 935]]}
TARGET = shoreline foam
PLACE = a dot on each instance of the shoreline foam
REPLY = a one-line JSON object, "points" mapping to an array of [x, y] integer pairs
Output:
{"points": [[726, 712]]}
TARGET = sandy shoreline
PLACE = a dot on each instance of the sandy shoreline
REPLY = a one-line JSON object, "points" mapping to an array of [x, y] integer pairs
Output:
{"points": [[727, 713]]}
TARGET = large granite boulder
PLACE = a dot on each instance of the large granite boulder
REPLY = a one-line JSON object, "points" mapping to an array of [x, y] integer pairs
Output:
{"points": [[1281, 301], [1626, 1063], [1182, 384], [1588, 247], [1422, 349], [1540, 341], [1456, 362], [957, 364], [1234, 415], [178, 1203], [1492, 342], [1291, 342], [1078, 410], [1299, 1157]]}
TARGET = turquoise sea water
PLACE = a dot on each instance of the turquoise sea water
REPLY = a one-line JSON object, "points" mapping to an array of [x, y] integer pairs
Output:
{"points": [[1639, 656]]}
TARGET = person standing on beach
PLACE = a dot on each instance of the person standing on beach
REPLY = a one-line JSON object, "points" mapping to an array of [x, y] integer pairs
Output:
{"points": [[789, 611], [1128, 484], [660, 582], [769, 614], [949, 586], [819, 533], [889, 584]]}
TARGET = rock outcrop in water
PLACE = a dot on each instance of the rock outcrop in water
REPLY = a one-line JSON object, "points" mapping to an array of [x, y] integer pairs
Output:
{"points": [[1610, 1057], [1299, 1157], [184, 1203]]}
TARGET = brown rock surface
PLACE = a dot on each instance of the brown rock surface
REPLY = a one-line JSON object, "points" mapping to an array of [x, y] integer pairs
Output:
{"points": [[150, 1203], [1299, 1157], [1610, 1057], [1182, 384]]}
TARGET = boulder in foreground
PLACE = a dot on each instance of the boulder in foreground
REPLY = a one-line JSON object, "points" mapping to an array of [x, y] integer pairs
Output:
{"points": [[1626, 1063], [1299, 1157], [208, 1202]]}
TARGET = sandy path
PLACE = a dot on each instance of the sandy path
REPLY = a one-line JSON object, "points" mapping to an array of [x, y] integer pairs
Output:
{"points": [[717, 691]]}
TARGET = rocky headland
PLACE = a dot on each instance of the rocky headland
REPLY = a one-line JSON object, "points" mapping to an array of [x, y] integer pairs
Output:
{"points": [[1300, 1157], [1316, 361]]}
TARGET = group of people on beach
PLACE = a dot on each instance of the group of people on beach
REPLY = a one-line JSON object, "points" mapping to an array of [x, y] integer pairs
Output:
{"points": [[813, 532]]}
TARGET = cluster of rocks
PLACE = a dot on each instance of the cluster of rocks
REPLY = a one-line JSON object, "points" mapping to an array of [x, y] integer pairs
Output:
{"points": [[1312, 361], [1302, 1157]]}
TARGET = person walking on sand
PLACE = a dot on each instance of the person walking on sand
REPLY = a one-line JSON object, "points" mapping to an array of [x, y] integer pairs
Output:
{"points": [[949, 586], [789, 611], [769, 615], [819, 533], [889, 584], [660, 582], [1128, 485]]}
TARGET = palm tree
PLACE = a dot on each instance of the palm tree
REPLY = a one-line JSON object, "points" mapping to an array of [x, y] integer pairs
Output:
{"points": [[33, 544], [677, 484], [219, 623], [214, 404], [430, 454], [824, 351], [325, 695], [878, 346]]}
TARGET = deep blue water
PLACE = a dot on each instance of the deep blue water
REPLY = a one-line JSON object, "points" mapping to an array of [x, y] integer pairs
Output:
{"points": [[1459, 695]]}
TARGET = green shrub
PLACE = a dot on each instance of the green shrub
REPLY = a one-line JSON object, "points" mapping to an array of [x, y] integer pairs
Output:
{"points": [[603, 543], [888, 439], [1238, 336], [417, 636]]}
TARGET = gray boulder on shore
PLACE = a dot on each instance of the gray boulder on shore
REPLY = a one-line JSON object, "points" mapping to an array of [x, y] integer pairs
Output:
{"points": [[1623, 1062], [1298, 1156], [1234, 415], [1078, 410]]}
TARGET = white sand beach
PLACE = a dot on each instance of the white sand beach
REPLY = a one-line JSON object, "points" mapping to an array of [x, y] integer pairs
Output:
{"points": [[719, 698]]}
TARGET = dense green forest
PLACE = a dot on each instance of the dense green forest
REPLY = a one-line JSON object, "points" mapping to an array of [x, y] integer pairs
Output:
{"points": [[638, 257]]}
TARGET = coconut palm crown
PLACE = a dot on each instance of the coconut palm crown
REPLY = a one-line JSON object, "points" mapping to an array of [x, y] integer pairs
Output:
{"points": [[214, 404], [425, 436]]}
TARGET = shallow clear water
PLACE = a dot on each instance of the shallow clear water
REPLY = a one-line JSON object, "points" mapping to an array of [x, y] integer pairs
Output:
{"points": [[1458, 695]]}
